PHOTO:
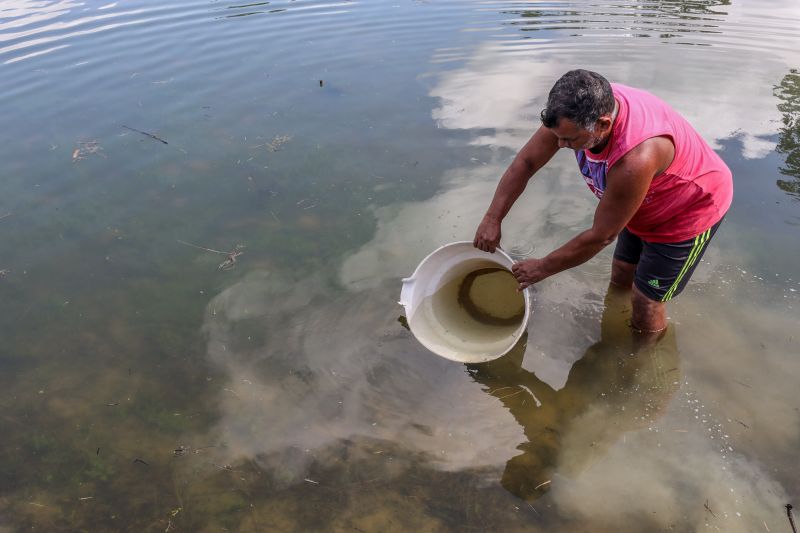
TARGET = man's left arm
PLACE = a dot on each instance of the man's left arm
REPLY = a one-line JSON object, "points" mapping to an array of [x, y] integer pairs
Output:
{"points": [[626, 186]]}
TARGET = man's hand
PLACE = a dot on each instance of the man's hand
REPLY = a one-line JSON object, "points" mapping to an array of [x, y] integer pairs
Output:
{"points": [[488, 235], [529, 272]]}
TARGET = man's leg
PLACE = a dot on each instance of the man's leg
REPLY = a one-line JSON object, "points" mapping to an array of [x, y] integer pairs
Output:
{"points": [[622, 273], [649, 316], [661, 274], [626, 256]]}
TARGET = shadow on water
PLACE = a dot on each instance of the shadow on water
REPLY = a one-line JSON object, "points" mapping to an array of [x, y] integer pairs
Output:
{"points": [[618, 385], [788, 92]]}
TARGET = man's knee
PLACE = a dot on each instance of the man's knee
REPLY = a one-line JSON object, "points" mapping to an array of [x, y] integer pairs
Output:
{"points": [[622, 273]]}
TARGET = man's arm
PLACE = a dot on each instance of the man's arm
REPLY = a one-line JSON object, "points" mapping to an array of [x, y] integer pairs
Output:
{"points": [[627, 184], [539, 149]]}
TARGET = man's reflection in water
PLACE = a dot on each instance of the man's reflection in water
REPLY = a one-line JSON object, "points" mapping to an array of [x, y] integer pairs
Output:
{"points": [[620, 384]]}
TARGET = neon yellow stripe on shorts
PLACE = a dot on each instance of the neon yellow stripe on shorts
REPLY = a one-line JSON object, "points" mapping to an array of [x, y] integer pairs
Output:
{"points": [[699, 242]]}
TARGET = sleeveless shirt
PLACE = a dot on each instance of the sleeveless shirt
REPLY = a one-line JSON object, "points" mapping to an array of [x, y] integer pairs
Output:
{"points": [[690, 196]]}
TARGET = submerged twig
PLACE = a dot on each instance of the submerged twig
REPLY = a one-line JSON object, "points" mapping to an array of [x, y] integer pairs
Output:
{"points": [[709, 509], [791, 518], [202, 247], [179, 451], [230, 260], [510, 395], [159, 139], [177, 492], [541, 484]]}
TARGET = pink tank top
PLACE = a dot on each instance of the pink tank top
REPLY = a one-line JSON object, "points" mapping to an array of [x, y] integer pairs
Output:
{"points": [[690, 196]]}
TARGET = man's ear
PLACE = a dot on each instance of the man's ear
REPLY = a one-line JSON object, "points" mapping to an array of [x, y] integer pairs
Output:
{"points": [[604, 123]]}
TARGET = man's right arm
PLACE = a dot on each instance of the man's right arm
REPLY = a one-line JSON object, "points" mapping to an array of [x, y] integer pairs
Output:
{"points": [[534, 155]]}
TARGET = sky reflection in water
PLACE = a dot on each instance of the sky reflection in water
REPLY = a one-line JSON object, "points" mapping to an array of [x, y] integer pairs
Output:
{"points": [[654, 443], [311, 407]]}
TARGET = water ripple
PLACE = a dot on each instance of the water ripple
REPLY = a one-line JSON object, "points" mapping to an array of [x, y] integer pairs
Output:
{"points": [[33, 29]]}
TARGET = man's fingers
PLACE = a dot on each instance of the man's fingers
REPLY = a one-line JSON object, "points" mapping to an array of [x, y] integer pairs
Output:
{"points": [[483, 244], [520, 277]]}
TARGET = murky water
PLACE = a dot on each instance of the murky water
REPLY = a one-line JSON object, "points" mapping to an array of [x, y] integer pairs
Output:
{"points": [[476, 316], [320, 150]]}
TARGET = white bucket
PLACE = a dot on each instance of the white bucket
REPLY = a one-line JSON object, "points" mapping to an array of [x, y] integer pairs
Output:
{"points": [[446, 304]]}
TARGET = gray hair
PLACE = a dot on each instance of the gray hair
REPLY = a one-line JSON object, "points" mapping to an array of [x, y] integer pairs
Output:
{"points": [[581, 96]]}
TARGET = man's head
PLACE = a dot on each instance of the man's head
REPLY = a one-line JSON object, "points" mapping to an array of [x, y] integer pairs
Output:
{"points": [[579, 110]]}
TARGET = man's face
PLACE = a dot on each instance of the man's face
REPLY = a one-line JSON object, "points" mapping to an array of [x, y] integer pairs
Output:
{"points": [[570, 135]]}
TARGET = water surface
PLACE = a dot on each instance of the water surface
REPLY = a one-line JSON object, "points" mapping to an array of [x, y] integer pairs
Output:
{"points": [[334, 144]]}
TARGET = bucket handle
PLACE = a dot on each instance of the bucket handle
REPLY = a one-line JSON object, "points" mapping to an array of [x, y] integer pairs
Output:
{"points": [[407, 292]]}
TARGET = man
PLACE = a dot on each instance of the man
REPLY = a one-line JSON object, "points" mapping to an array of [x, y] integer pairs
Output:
{"points": [[663, 191]]}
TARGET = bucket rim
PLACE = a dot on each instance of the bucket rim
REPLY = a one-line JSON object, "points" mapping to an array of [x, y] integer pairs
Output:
{"points": [[499, 250], [407, 305]]}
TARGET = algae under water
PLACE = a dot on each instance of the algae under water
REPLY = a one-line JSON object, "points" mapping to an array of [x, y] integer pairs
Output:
{"points": [[119, 345]]}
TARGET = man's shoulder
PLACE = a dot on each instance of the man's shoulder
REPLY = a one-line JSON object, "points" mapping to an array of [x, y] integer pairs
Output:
{"points": [[652, 155]]}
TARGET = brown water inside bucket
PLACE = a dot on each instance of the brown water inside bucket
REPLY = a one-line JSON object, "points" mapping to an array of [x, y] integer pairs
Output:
{"points": [[473, 316], [489, 296]]}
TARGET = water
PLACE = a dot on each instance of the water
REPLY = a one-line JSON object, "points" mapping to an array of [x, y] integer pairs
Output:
{"points": [[145, 389], [474, 315]]}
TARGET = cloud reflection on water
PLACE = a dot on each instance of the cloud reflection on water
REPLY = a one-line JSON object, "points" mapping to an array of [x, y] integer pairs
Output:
{"points": [[333, 367], [500, 95], [336, 368], [332, 370]]}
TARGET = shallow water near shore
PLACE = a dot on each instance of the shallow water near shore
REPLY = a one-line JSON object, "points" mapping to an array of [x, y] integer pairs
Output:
{"points": [[319, 151]]}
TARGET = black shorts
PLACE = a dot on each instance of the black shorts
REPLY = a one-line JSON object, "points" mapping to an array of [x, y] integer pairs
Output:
{"points": [[662, 269]]}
